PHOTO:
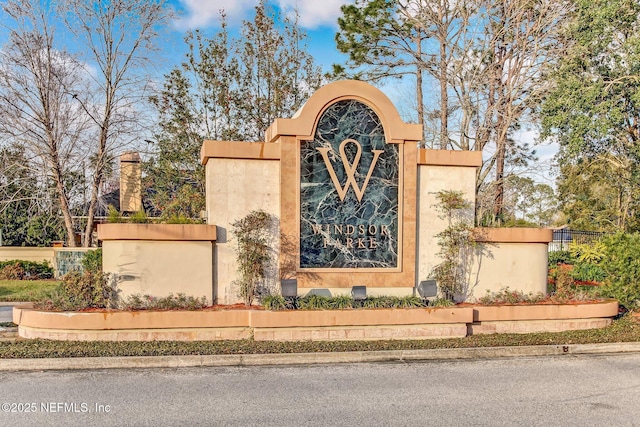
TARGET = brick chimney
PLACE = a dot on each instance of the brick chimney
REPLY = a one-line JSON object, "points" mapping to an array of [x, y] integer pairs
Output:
{"points": [[130, 182]]}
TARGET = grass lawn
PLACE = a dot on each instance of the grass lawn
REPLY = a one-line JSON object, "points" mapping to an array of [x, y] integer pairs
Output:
{"points": [[26, 290]]}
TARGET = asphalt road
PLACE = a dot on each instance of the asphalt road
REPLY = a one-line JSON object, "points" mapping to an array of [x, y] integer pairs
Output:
{"points": [[543, 391]]}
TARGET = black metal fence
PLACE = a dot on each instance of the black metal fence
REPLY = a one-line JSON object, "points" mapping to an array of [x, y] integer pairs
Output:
{"points": [[564, 237]]}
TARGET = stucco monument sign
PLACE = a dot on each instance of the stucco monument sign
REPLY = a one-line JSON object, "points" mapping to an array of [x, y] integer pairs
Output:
{"points": [[352, 196]]}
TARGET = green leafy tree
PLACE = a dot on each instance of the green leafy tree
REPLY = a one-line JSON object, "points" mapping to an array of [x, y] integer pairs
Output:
{"points": [[397, 38], [486, 58], [177, 163], [621, 265], [276, 73], [593, 112], [544, 205], [29, 215], [597, 195], [529, 203], [226, 89]]}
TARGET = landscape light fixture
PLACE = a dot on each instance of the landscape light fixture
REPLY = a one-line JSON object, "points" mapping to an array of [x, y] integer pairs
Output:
{"points": [[321, 292], [289, 287], [359, 293], [427, 288]]}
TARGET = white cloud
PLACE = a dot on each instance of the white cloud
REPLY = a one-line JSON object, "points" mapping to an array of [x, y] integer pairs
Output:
{"points": [[314, 13], [202, 13]]}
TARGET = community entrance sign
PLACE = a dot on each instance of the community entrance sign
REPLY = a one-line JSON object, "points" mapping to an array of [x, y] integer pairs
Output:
{"points": [[351, 198], [347, 190], [350, 192], [349, 183]]}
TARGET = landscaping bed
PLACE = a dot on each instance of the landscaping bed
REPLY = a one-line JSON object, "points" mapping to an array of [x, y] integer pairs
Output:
{"points": [[627, 329], [316, 325]]}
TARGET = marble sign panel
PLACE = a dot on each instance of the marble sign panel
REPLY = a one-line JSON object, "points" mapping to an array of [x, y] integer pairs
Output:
{"points": [[349, 186]]}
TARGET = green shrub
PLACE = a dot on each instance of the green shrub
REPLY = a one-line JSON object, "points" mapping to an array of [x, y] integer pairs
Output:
{"points": [[409, 302], [560, 257], [572, 294], [273, 302], [80, 291], [562, 279], [376, 302], [21, 270], [585, 271], [508, 296], [621, 264], [562, 295], [179, 301], [12, 272], [180, 218], [56, 301], [92, 261], [113, 216], [442, 302], [139, 217], [587, 252], [253, 253], [88, 289], [314, 302], [341, 302]]}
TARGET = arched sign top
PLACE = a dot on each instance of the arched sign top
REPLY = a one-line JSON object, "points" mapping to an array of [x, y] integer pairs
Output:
{"points": [[302, 124]]}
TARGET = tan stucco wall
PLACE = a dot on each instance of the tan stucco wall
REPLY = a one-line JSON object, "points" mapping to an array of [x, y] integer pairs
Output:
{"points": [[159, 268], [235, 187], [432, 179], [170, 232], [8, 253], [519, 266]]}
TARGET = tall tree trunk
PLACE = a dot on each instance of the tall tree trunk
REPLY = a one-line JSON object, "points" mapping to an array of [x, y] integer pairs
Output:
{"points": [[499, 189], [444, 97], [95, 185], [419, 70], [88, 232], [64, 203]]}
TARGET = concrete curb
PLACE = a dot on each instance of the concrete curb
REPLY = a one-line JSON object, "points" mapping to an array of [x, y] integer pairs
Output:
{"points": [[130, 362]]}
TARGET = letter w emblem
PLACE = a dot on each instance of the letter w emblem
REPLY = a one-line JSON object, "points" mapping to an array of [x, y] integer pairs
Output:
{"points": [[350, 169]]}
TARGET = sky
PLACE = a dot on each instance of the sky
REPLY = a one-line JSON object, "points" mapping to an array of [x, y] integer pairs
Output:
{"points": [[317, 17]]}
